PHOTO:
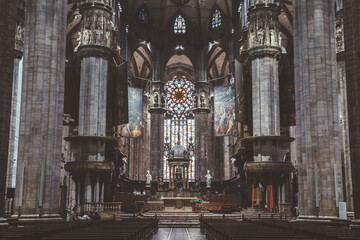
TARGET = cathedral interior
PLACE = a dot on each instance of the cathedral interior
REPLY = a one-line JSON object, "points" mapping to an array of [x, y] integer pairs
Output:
{"points": [[177, 116]]}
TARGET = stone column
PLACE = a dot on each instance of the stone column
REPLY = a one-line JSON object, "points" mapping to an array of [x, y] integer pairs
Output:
{"points": [[317, 118], [201, 111], [352, 45], [269, 148], [156, 129], [38, 175], [94, 50], [343, 110], [16, 97], [7, 30]]}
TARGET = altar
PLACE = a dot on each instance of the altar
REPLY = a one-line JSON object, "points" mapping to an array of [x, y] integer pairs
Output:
{"points": [[178, 202]]}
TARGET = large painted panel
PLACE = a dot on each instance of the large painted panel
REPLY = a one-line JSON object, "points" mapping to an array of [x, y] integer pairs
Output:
{"points": [[133, 128], [224, 110]]}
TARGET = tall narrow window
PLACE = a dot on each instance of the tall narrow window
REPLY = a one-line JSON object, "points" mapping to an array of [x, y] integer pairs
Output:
{"points": [[143, 16], [179, 25], [179, 120], [216, 19]]}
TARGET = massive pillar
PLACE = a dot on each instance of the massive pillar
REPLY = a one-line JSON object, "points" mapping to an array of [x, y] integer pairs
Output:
{"points": [[269, 148], [16, 99], [7, 30], [352, 56], [37, 184], [317, 119], [201, 111], [91, 170], [156, 110], [343, 110]]}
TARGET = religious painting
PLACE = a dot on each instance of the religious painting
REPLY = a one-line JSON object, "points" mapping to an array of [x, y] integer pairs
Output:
{"points": [[133, 128], [224, 110]]}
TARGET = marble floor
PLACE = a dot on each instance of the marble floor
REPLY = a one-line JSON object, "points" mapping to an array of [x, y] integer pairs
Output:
{"points": [[179, 234]]}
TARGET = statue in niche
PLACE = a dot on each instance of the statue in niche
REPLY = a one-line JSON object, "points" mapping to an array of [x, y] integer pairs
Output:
{"points": [[19, 33], [195, 101], [98, 29], [148, 179], [86, 35], [208, 178], [272, 37], [163, 100], [251, 38], [202, 99], [156, 99], [280, 39], [339, 38], [260, 35], [108, 38]]}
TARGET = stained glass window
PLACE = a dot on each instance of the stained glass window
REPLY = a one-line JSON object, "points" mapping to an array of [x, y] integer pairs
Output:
{"points": [[179, 25], [216, 19], [179, 119], [143, 17]]}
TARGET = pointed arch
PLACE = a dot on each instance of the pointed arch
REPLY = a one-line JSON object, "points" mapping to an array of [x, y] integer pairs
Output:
{"points": [[141, 63], [218, 62]]}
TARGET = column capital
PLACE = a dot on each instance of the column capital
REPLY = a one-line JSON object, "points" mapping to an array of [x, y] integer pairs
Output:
{"points": [[264, 36], [96, 29]]}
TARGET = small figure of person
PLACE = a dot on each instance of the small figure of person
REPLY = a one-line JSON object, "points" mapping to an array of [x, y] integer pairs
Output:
{"points": [[148, 178], [208, 179]]}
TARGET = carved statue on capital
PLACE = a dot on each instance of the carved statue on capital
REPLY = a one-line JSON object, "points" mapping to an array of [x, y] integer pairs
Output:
{"points": [[273, 37], [163, 100], [339, 38], [195, 101], [339, 31], [19, 38], [95, 27], [156, 99], [260, 36], [202, 99]]}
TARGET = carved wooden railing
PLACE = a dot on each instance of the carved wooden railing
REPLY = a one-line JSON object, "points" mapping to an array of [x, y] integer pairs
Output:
{"points": [[102, 207]]}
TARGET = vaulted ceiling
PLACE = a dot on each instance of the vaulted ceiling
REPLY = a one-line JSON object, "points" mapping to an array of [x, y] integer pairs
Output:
{"points": [[198, 12]]}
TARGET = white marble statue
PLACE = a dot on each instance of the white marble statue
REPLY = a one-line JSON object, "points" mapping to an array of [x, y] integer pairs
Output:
{"points": [[86, 36], [272, 37], [202, 99], [148, 178], [251, 38], [280, 39], [108, 38], [260, 35], [208, 178]]}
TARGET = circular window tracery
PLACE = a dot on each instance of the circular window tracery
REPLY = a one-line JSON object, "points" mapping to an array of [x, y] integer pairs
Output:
{"points": [[179, 94]]}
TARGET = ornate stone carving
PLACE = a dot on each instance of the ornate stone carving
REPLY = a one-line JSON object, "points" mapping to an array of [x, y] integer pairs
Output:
{"points": [[19, 38], [202, 99], [156, 99], [339, 32], [195, 99], [263, 35], [95, 27]]}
